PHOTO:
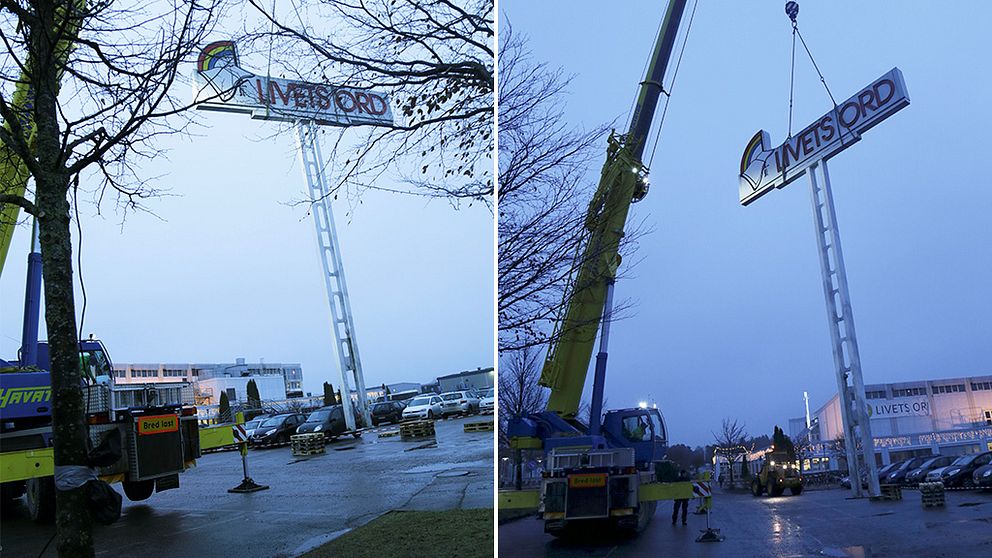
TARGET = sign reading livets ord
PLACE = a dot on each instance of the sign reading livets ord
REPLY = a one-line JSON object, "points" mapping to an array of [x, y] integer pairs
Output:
{"points": [[764, 167], [223, 85]]}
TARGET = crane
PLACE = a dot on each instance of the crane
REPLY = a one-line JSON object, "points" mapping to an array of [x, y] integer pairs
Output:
{"points": [[612, 469]]}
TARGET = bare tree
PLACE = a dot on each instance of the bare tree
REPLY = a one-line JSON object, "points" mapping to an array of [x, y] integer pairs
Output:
{"points": [[519, 393], [92, 85], [544, 195], [730, 441], [436, 59]]}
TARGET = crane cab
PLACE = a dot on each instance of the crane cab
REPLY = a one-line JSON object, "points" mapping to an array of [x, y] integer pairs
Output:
{"points": [[642, 430]]}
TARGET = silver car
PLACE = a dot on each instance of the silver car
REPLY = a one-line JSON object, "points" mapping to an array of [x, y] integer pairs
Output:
{"points": [[424, 406], [488, 402], [459, 402]]}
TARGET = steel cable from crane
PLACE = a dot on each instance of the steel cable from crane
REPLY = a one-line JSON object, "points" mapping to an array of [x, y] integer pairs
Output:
{"points": [[792, 10], [671, 87]]}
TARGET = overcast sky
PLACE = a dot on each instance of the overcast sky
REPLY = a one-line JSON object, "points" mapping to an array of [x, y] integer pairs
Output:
{"points": [[730, 319], [227, 268]]}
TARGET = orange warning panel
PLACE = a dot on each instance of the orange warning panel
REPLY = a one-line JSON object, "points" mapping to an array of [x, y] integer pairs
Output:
{"points": [[157, 424], [586, 481]]}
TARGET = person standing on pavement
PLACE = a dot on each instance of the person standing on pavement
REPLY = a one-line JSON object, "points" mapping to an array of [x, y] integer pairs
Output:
{"points": [[683, 502]]}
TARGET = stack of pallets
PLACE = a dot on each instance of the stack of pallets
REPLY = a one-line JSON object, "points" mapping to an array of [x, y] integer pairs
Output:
{"points": [[891, 492], [484, 426], [417, 429], [307, 444], [932, 494]]}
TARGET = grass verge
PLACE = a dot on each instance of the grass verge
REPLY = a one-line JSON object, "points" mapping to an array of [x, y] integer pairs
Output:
{"points": [[415, 534]]}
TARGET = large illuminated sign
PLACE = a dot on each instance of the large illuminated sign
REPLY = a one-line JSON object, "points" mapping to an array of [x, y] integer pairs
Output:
{"points": [[223, 85], [764, 167]]}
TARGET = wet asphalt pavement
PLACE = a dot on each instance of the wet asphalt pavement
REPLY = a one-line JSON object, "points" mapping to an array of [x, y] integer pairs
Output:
{"points": [[817, 523], [310, 499]]}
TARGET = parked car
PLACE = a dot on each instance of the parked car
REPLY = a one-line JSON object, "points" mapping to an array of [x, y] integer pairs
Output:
{"points": [[387, 411], [459, 402], [897, 475], [983, 476], [919, 474], [960, 472], [252, 425], [328, 420], [934, 475], [276, 430], [487, 404], [425, 406]]}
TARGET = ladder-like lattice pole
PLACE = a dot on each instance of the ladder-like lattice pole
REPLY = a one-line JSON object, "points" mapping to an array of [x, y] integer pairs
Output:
{"points": [[346, 346], [847, 359]]}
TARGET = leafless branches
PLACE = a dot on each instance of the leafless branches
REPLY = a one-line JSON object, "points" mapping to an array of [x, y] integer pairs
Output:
{"points": [[434, 57], [543, 195]]}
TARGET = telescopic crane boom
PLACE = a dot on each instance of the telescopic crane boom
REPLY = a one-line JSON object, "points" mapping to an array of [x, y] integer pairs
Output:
{"points": [[623, 182]]}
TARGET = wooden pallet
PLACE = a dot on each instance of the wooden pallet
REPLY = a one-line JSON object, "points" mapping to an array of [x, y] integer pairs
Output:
{"points": [[388, 433], [418, 429], [308, 444], [484, 426], [891, 492], [932, 494]]}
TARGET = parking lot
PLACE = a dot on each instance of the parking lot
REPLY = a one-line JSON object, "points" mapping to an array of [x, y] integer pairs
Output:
{"points": [[817, 523], [310, 499]]}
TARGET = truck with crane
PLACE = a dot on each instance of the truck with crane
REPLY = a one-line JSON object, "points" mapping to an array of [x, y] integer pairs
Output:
{"points": [[141, 435], [611, 468]]}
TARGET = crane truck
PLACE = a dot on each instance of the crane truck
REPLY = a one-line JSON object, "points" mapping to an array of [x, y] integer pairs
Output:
{"points": [[141, 435], [611, 469]]}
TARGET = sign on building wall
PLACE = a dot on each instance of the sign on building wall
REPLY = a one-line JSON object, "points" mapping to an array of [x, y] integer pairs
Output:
{"points": [[223, 85], [901, 407], [764, 167]]}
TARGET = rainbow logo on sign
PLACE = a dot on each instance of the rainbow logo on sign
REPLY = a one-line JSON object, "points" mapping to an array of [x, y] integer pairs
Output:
{"points": [[217, 54]]}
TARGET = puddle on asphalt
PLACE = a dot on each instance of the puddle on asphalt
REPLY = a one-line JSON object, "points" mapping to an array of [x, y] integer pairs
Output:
{"points": [[884, 513], [970, 504], [847, 552]]}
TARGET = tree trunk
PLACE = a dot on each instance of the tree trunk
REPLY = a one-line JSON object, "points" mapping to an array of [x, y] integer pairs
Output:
{"points": [[72, 518]]}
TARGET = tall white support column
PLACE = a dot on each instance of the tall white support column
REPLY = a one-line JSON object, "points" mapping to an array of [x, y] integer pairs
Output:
{"points": [[346, 346], [847, 360]]}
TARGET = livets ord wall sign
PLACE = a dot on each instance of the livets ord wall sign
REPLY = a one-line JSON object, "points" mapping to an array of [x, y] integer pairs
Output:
{"points": [[764, 168], [223, 85]]}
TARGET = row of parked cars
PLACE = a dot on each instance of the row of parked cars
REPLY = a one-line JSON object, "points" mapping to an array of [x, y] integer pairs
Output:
{"points": [[464, 402], [967, 471], [276, 429]]}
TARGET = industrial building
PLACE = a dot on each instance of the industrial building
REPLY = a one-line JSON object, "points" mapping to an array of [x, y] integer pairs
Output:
{"points": [[291, 374], [950, 416], [478, 379]]}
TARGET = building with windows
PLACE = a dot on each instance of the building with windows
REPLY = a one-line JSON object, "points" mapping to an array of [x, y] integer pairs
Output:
{"points": [[478, 379], [291, 374], [951, 416]]}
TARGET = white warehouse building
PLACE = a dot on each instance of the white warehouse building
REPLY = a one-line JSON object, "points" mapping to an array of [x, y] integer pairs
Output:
{"points": [[951, 416]]}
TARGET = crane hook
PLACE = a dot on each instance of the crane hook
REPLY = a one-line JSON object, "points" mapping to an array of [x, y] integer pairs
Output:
{"points": [[792, 10]]}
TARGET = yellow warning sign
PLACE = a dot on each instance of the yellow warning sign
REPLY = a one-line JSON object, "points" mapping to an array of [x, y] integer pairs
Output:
{"points": [[157, 424]]}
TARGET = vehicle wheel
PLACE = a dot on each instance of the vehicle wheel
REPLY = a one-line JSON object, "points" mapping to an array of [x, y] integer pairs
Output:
{"points": [[41, 499], [968, 482], [796, 490], [770, 487], [137, 491], [756, 488], [430, 415]]}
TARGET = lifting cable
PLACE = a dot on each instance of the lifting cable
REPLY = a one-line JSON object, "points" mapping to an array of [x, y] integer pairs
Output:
{"points": [[792, 10], [671, 87]]}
